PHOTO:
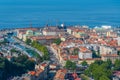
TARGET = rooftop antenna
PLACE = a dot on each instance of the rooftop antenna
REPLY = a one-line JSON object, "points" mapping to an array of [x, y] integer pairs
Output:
{"points": [[47, 24]]}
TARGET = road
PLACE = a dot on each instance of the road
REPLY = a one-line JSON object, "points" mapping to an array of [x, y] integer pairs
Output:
{"points": [[53, 57]]}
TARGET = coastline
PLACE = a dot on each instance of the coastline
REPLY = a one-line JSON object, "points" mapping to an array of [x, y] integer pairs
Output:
{"points": [[39, 27]]}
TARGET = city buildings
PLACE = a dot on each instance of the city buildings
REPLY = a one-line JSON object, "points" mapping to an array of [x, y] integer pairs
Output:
{"points": [[77, 44]]}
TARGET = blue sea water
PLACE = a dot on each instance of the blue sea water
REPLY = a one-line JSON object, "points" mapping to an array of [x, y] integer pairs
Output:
{"points": [[22, 13]]}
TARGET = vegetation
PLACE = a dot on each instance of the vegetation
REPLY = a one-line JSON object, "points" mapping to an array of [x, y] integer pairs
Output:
{"points": [[14, 50], [84, 63], [28, 41], [41, 48], [57, 41], [70, 65], [17, 66], [95, 55], [118, 52], [84, 77], [104, 78], [100, 70], [117, 65], [76, 51], [36, 55]]}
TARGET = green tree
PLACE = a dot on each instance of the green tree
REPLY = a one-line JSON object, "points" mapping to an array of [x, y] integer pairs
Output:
{"points": [[70, 65], [104, 78], [76, 51], [109, 62], [41, 48], [21, 59], [16, 67], [99, 69], [99, 62], [57, 41], [94, 54], [30, 64], [118, 52], [28, 41], [73, 66], [84, 63], [117, 65], [84, 77]]}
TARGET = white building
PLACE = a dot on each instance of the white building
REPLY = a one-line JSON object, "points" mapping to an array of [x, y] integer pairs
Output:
{"points": [[52, 31], [85, 53], [1, 38], [107, 50]]}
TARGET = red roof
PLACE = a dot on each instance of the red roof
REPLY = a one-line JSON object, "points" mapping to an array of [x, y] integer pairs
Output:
{"points": [[73, 57], [75, 75], [32, 73], [78, 79]]}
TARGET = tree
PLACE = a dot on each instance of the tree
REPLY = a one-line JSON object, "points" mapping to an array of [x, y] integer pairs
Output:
{"points": [[30, 64], [99, 62], [109, 62], [84, 77], [104, 78], [57, 41], [99, 69], [42, 49], [117, 65], [39, 60], [28, 41], [118, 52], [84, 63], [94, 54], [70, 65], [16, 67], [73, 66], [21, 59], [76, 51]]}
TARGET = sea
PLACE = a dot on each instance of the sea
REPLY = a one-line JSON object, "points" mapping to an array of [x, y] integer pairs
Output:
{"points": [[39, 13]]}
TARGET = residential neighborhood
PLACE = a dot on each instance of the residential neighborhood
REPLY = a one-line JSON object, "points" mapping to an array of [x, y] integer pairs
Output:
{"points": [[62, 53]]}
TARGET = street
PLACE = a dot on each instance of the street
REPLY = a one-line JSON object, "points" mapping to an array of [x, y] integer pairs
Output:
{"points": [[53, 58]]}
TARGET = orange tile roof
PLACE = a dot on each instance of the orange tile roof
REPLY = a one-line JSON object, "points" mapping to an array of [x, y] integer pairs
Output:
{"points": [[32, 73], [44, 64], [112, 43], [60, 74], [68, 41], [73, 57], [84, 49], [78, 79], [39, 71]]}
